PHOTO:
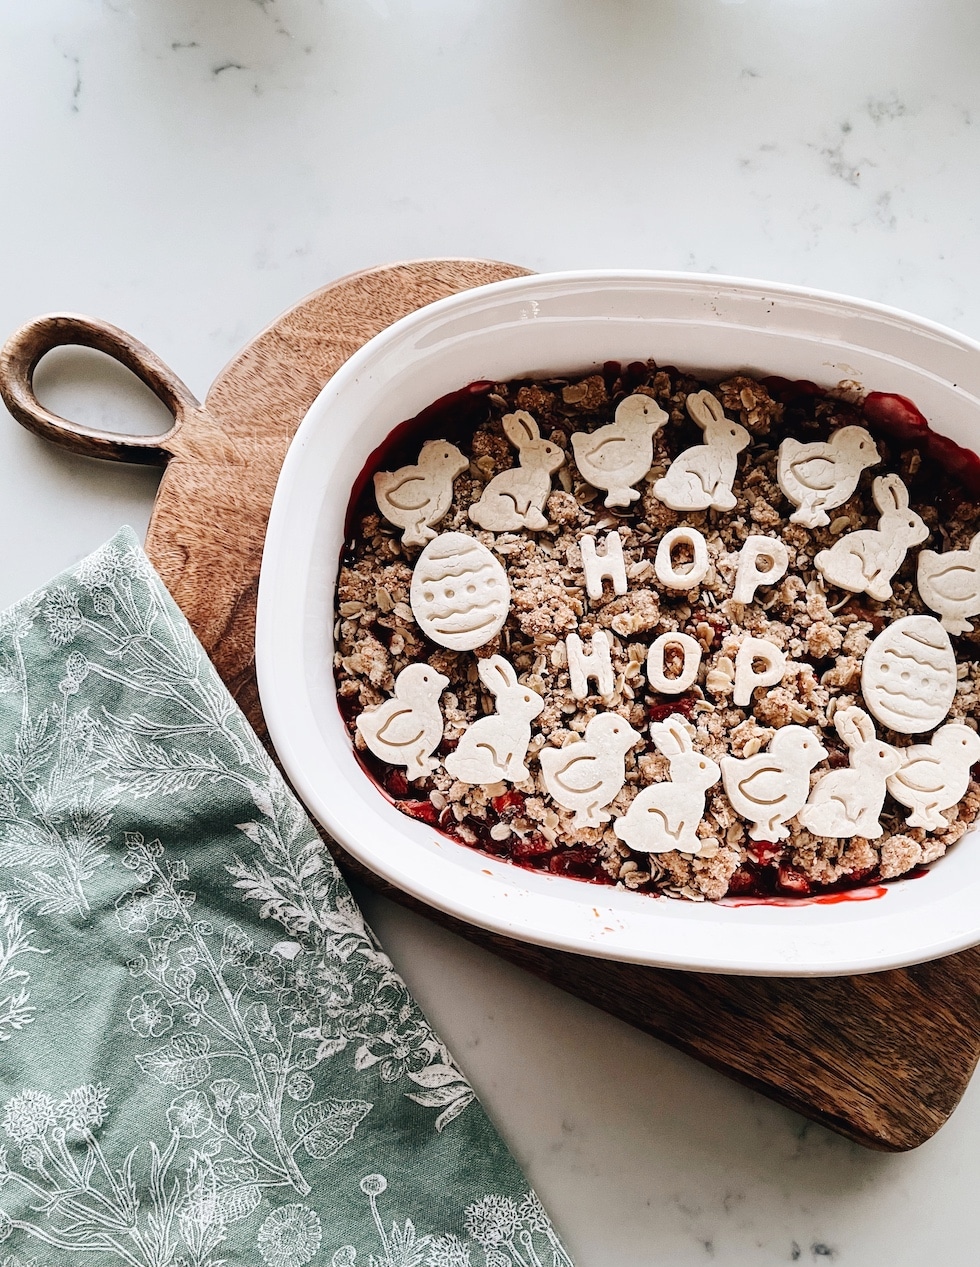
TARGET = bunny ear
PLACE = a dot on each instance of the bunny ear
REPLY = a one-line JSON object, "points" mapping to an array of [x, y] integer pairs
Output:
{"points": [[865, 726], [671, 736], [854, 726], [664, 738], [678, 728], [496, 674], [521, 429], [705, 409], [889, 494]]}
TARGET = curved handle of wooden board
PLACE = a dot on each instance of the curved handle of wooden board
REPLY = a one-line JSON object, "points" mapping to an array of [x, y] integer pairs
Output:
{"points": [[19, 359]]}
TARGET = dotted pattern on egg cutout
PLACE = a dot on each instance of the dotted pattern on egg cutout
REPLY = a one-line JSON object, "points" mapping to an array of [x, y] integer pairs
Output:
{"points": [[460, 594], [909, 675]]}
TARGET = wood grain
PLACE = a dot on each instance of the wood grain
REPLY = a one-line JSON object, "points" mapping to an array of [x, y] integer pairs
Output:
{"points": [[883, 1059]]}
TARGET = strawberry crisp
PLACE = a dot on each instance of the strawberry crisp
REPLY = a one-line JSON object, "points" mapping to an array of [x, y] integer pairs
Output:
{"points": [[823, 631]]}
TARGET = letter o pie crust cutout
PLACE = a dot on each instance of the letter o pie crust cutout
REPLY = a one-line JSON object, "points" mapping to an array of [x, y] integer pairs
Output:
{"points": [[694, 574], [460, 593], [656, 666]]}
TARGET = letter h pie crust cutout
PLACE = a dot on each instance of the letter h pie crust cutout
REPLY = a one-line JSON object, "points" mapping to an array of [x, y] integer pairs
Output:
{"points": [[493, 749], [596, 664], [607, 564]]}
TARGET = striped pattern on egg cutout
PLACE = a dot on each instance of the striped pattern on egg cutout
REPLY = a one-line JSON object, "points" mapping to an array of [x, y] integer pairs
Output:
{"points": [[460, 593], [909, 675]]}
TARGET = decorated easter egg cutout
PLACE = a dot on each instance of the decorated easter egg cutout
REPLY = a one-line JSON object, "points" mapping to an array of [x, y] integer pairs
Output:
{"points": [[909, 675], [460, 593]]}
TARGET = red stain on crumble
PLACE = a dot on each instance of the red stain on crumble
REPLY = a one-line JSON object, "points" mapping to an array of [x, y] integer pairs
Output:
{"points": [[831, 895], [455, 413], [683, 704], [900, 420], [822, 899], [509, 802]]}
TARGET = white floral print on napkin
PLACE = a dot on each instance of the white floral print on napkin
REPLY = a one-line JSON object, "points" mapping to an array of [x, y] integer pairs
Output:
{"points": [[207, 1058]]}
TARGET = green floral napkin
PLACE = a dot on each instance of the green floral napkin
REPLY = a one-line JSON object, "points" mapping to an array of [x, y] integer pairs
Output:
{"points": [[205, 1057]]}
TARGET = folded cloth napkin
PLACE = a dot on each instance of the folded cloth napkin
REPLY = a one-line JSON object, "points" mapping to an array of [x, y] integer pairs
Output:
{"points": [[205, 1056]]}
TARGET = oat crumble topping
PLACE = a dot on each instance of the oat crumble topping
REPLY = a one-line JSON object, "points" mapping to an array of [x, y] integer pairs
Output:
{"points": [[824, 632]]}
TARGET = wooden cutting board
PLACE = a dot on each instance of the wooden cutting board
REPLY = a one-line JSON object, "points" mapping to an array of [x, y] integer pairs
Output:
{"points": [[883, 1059]]}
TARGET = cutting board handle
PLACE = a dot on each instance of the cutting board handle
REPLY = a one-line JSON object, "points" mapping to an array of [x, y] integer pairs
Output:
{"points": [[19, 359]]}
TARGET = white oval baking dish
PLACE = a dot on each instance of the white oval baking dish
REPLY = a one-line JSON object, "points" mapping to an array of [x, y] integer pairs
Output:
{"points": [[565, 322]]}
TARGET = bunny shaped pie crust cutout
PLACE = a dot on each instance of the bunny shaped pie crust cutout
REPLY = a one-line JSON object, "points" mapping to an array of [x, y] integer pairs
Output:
{"points": [[845, 803], [617, 456], [666, 816], [493, 749], [866, 561], [515, 499], [407, 729], [701, 477], [415, 498]]}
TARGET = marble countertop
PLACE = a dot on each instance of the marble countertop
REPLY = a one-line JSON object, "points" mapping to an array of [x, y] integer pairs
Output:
{"points": [[187, 170]]}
